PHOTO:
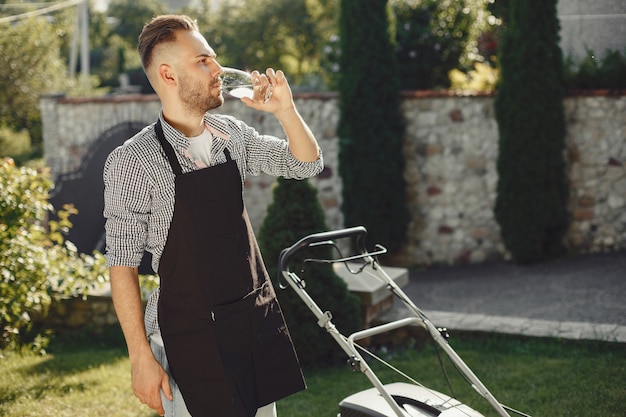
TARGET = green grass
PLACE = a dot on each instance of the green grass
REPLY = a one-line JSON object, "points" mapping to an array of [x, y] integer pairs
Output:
{"points": [[89, 376], [79, 377]]}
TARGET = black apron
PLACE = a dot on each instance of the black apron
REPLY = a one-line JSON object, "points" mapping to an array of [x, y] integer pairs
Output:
{"points": [[224, 334]]}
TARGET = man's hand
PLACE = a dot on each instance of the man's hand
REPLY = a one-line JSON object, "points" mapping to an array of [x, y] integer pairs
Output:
{"points": [[148, 378], [281, 98], [302, 143]]}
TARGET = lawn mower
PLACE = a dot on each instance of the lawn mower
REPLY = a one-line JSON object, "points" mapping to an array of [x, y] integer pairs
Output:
{"points": [[396, 399]]}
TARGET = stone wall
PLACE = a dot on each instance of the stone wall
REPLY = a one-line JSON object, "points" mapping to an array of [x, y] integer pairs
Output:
{"points": [[450, 149], [73, 314], [72, 127], [596, 146]]}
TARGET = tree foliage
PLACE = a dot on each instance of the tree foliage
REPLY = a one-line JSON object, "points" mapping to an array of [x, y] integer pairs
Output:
{"points": [[248, 34], [257, 34], [30, 65], [131, 16], [431, 37], [295, 213], [532, 190], [371, 127], [596, 72], [37, 265]]}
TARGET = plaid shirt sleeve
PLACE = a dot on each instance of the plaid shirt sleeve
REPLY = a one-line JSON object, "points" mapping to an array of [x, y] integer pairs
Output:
{"points": [[127, 207], [256, 153]]}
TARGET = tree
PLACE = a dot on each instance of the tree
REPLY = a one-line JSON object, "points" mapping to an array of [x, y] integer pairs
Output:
{"points": [[532, 190], [371, 127], [295, 213], [116, 53], [132, 16], [257, 34], [30, 65], [432, 36]]}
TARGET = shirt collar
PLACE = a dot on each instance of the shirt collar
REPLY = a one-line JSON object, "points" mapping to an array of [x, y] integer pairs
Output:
{"points": [[172, 135], [216, 126]]}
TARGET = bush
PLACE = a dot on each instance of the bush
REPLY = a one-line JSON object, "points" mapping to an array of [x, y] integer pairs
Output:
{"points": [[295, 213], [15, 144], [483, 78], [532, 190], [593, 73], [37, 264]]}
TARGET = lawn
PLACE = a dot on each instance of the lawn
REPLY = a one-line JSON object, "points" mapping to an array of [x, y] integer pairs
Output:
{"points": [[88, 375]]}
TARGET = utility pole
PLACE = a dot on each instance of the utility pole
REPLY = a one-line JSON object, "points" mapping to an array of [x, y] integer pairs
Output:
{"points": [[81, 32], [84, 54]]}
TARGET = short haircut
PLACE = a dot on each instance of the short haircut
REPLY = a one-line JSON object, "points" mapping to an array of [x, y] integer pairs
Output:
{"points": [[161, 29]]}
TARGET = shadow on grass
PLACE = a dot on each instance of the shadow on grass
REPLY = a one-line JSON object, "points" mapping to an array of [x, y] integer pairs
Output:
{"points": [[76, 352], [77, 364]]}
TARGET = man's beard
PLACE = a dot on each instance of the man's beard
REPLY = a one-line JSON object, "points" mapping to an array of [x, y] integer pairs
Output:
{"points": [[196, 97]]}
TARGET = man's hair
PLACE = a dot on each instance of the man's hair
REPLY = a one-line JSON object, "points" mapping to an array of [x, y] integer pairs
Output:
{"points": [[161, 29]]}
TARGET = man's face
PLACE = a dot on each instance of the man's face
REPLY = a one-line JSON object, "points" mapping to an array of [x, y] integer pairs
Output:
{"points": [[198, 73]]}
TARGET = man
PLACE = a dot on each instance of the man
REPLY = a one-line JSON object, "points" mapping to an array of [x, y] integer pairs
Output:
{"points": [[213, 341]]}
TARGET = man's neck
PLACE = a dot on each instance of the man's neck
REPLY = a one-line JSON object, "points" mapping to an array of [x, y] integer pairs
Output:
{"points": [[189, 126]]}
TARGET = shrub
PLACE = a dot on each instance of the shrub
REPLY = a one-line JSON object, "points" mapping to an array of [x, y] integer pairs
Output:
{"points": [[295, 213], [594, 73], [483, 78], [37, 264], [532, 190], [371, 126]]}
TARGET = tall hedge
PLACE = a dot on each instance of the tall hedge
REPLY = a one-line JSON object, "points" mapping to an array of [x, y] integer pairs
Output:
{"points": [[295, 213], [532, 191], [371, 126]]}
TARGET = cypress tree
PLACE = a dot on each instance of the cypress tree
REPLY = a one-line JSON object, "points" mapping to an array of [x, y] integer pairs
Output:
{"points": [[295, 213], [532, 191], [371, 127]]}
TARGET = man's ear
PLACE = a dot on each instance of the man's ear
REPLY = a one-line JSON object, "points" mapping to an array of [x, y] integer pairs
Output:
{"points": [[166, 74]]}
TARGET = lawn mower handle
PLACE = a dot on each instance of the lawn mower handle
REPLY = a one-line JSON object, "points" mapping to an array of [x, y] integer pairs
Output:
{"points": [[359, 231]]}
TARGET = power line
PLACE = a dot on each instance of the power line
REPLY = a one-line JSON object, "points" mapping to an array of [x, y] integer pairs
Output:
{"points": [[22, 5], [82, 31], [53, 8], [592, 16]]}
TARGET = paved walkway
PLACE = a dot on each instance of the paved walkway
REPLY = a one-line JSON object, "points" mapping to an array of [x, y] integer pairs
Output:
{"points": [[582, 297]]}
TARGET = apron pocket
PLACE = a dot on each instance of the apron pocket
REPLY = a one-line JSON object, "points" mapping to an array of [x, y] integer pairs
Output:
{"points": [[233, 330], [202, 364], [276, 364]]}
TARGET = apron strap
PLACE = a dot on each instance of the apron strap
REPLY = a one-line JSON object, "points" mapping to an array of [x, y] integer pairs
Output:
{"points": [[167, 147], [169, 151]]}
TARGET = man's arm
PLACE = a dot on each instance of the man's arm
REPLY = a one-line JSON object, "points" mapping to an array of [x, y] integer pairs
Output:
{"points": [[147, 375], [302, 142]]}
